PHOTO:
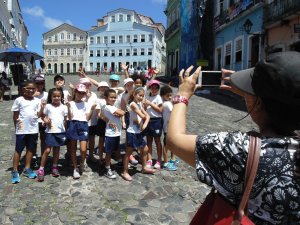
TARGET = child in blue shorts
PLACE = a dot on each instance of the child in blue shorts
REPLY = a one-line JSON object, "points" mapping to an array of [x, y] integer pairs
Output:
{"points": [[113, 130], [25, 115], [55, 116]]}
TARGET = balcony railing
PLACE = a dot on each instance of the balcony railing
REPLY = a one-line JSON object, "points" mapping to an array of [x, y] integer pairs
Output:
{"points": [[234, 11], [174, 26], [279, 9]]}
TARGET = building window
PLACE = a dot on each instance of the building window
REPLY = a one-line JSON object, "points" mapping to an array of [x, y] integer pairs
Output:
{"points": [[127, 52], [92, 40], [74, 51], [55, 51], [91, 53], [74, 37], [62, 36], [55, 38], [81, 38], [112, 39], [105, 52], [112, 52], [113, 19], [120, 39], [81, 51], [127, 38], [134, 51], [149, 51], [238, 50], [142, 51], [62, 51], [143, 38], [49, 52], [120, 18], [98, 40], [68, 51], [120, 52], [128, 17], [49, 39], [91, 66], [68, 36], [105, 39], [98, 53], [150, 37], [135, 38], [228, 54]]}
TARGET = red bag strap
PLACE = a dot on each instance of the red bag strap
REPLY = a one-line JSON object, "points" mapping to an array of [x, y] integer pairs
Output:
{"points": [[250, 174]]}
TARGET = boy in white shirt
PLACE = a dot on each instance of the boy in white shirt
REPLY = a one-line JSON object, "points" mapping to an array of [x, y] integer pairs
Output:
{"points": [[113, 130]]}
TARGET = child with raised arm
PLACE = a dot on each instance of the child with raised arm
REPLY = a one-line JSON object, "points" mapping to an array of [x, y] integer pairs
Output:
{"points": [[25, 117], [138, 121], [112, 131], [55, 113], [78, 113], [166, 94]]}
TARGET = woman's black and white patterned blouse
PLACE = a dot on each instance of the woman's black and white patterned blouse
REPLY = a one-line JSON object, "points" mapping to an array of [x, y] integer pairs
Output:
{"points": [[275, 197]]}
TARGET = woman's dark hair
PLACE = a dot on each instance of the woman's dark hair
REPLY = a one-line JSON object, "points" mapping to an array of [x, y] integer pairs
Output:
{"points": [[50, 93], [285, 120], [136, 76], [108, 91], [165, 90], [133, 93]]}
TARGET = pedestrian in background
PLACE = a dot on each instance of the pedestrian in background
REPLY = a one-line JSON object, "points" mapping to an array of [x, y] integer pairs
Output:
{"points": [[272, 94]]}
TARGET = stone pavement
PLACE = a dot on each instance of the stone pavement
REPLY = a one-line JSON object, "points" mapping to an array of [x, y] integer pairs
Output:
{"points": [[163, 198]]}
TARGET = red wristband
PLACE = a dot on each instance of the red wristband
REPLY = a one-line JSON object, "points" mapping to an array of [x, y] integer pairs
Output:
{"points": [[178, 99]]}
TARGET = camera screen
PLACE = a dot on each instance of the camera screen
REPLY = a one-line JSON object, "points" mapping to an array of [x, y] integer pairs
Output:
{"points": [[210, 78]]}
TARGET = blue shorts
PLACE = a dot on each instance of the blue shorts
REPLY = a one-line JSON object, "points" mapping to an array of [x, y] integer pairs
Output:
{"points": [[135, 140], [93, 130], [26, 140], [55, 139], [77, 130], [101, 125], [112, 144], [154, 128]]}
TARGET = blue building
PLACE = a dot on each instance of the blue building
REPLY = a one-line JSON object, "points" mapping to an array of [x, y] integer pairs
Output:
{"points": [[239, 37], [124, 36]]}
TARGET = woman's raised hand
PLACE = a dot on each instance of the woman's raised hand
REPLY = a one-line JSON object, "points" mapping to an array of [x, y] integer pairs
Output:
{"points": [[188, 83], [226, 76]]}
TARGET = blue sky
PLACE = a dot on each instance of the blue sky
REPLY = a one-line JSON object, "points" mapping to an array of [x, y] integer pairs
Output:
{"points": [[42, 16]]}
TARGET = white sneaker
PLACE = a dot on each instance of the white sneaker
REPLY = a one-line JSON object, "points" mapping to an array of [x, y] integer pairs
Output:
{"points": [[76, 174], [83, 167], [109, 174], [157, 165]]}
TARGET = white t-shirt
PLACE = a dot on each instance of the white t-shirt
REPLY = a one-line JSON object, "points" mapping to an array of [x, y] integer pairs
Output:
{"points": [[79, 111], [57, 115], [43, 96], [114, 125], [133, 127], [28, 110], [168, 107], [66, 96], [91, 101], [130, 71], [157, 100]]}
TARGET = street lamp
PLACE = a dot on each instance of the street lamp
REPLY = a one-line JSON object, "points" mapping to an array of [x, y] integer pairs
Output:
{"points": [[247, 26]]}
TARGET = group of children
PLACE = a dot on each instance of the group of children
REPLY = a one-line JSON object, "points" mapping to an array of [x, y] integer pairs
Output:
{"points": [[63, 118]]}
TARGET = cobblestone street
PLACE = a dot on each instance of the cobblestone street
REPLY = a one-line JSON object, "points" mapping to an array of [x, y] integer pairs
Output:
{"points": [[164, 198]]}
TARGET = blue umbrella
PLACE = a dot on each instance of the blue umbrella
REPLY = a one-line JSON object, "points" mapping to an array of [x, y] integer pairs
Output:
{"points": [[17, 55]]}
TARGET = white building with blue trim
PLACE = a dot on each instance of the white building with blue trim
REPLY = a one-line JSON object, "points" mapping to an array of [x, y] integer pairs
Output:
{"points": [[124, 36]]}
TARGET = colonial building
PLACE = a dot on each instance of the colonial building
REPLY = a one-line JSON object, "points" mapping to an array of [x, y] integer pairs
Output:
{"points": [[173, 36], [239, 39], [13, 31], [282, 26], [64, 49], [124, 36]]}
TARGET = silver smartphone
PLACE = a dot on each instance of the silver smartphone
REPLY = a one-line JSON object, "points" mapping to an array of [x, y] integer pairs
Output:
{"points": [[210, 78]]}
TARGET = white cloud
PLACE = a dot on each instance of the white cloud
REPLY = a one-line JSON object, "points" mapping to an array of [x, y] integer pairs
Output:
{"points": [[48, 22]]}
